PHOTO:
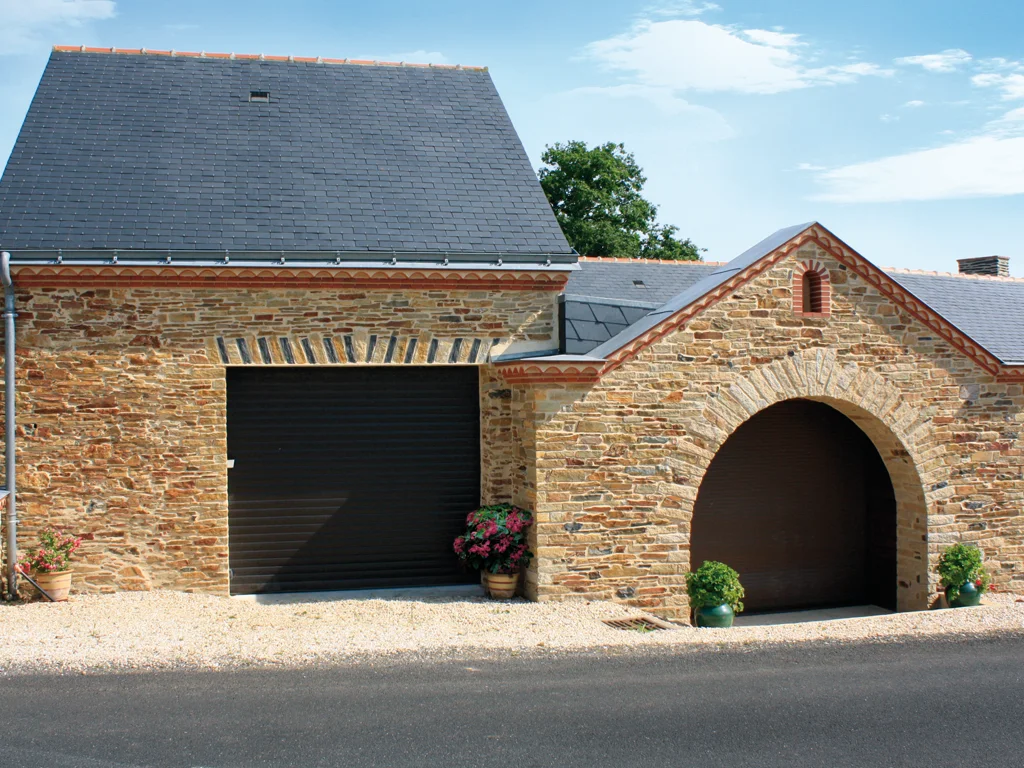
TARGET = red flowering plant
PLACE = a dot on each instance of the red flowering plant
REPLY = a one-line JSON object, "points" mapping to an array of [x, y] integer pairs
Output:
{"points": [[53, 553], [495, 539]]}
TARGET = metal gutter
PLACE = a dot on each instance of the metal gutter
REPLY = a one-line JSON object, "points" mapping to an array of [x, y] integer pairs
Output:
{"points": [[9, 450], [297, 259]]}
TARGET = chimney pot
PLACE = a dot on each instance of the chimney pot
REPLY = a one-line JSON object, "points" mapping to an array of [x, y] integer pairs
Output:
{"points": [[997, 266]]}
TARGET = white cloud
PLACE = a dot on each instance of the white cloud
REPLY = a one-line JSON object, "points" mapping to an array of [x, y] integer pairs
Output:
{"points": [[914, 103], [998, 63], [681, 8], [990, 164], [888, 118], [773, 38], [946, 61], [810, 167], [664, 99], [24, 22], [690, 55], [633, 114], [1010, 124], [1012, 86]]}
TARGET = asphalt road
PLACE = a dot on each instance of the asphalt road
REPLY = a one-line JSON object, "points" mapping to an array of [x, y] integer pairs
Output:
{"points": [[920, 704]]}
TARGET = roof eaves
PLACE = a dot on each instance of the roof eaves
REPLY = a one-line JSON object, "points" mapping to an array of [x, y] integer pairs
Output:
{"points": [[555, 262]]}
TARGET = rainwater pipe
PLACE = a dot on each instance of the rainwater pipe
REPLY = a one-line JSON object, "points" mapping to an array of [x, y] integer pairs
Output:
{"points": [[12, 509]]}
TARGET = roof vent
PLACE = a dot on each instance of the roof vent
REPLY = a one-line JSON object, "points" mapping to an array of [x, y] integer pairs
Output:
{"points": [[639, 284], [997, 266], [262, 96]]}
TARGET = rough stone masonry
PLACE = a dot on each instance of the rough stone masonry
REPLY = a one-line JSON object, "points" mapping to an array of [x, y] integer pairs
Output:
{"points": [[613, 468]]}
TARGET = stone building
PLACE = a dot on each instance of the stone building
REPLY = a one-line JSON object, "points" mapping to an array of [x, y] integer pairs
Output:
{"points": [[284, 321]]}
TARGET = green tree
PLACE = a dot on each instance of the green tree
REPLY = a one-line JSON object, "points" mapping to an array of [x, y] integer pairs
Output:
{"points": [[595, 194]]}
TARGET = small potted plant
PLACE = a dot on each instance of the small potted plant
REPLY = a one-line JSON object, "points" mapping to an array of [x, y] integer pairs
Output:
{"points": [[50, 562], [962, 575], [495, 544], [715, 594]]}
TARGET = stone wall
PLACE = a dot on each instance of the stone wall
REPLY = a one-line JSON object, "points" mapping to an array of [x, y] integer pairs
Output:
{"points": [[122, 412], [618, 464]]}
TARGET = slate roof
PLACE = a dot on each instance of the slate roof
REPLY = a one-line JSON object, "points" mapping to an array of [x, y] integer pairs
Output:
{"points": [[138, 151], [589, 321], [990, 311], [659, 280]]}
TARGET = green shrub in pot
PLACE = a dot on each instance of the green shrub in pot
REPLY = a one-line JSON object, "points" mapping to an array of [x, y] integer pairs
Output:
{"points": [[715, 594], [962, 575]]}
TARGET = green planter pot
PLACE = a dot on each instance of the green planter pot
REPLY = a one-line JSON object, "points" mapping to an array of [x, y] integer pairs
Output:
{"points": [[719, 617], [969, 596]]}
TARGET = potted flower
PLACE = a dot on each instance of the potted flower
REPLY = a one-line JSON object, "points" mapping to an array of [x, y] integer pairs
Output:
{"points": [[495, 544], [962, 575], [715, 594], [50, 562]]}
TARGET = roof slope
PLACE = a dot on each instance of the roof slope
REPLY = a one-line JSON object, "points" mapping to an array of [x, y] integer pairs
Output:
{"points": [[122, 151], [659, 281], [990, 311]]}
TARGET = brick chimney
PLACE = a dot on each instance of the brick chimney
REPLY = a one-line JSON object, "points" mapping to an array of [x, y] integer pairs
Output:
{"points": [[997, 266]]}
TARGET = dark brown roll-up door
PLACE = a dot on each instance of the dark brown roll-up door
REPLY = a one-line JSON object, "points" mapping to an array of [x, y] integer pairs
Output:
{"points": [[350, 478], [799, 502]]}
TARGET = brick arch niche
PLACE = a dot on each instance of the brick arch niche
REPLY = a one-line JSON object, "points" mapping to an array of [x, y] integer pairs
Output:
{"points": [[812, 290]]}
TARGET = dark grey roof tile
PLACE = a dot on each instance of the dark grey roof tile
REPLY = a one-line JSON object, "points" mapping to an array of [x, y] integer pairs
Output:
{"points": [[989, 311], [110, 138]]}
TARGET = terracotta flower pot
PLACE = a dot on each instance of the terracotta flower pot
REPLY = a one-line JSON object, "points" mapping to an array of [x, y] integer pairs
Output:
{"points": [[501, 586], [57, 583]]}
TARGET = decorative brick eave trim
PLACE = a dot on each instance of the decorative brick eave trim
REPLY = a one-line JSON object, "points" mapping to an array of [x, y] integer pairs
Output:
{"points": [[845, 255], [228, 277], [818, 269], [1011, 375], [541, 372]]}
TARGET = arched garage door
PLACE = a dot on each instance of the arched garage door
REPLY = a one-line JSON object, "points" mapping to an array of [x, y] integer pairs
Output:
{"points": [[350, 478], [799, 502]]}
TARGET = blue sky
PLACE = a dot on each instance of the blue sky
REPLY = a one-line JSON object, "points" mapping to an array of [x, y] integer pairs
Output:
{"points": [[898, 125]]}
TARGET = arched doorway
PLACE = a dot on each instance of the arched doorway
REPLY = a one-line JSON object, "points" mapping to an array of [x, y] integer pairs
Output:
{"points": [[799, 501]]}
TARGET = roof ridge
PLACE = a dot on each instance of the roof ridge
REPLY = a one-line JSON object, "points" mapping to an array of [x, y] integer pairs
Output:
{"points": [[259, 57], [934, 273], [634, 260]]}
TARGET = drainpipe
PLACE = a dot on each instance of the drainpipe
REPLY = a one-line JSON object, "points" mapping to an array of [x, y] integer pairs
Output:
{"points": [[12, 509]]}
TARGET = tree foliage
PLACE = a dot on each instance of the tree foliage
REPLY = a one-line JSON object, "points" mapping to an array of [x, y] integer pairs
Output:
{"points": [[596, 196]]}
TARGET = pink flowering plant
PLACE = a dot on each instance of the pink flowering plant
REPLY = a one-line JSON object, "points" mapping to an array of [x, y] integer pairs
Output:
{"points": [[495, 539], [53, 553]]}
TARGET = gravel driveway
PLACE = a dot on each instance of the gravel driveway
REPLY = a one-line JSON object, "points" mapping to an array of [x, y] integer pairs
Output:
{"points": [[149, 630]]}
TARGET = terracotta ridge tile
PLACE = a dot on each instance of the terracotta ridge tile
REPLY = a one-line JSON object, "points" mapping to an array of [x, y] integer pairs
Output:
{"points": [[934, 273], [632, 260], [259, 57]]}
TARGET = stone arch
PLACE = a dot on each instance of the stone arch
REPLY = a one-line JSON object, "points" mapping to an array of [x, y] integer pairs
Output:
{"points": [[876, 406]]}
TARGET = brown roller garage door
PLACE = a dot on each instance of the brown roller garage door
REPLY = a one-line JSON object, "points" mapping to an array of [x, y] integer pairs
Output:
{"points": [[349, 478], [799, 502]]}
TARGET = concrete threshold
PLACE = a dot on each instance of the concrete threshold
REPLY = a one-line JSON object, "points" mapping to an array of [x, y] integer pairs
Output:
{"points": [[417, 594], [814, 614]]}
